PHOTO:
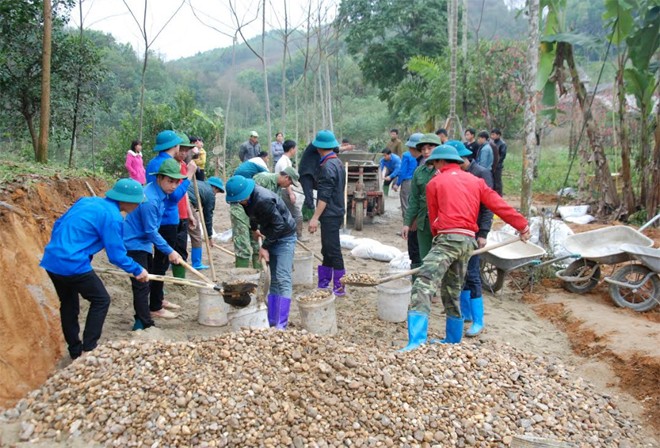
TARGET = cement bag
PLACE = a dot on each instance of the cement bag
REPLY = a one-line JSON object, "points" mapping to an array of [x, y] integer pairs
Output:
{"points": [[556, 231], [400, 263], [383, 252], [222, 237], [348, 241], [362, 251]]}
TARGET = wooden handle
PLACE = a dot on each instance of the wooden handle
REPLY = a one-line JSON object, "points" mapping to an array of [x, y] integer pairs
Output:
{"points": [[204, 232], [345, 197], [222, 249], [162, 278], [196, 272], [495, 246], [304, 246]]}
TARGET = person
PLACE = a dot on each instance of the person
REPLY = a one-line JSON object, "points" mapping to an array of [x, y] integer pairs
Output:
{"points": [[329, 212], [134, 162], [281, 183], [207, 191], [417, 214], [251, 167], [470, 142], [141, 235], [270, 219], [471, 298], [442, 134], [167, 146], [389, 166], [309, 171], [261, 159], [413, 244], [395, 145], [251, 148], [90, 225], [289, 197], [407, 169], [277, 148], [454, 198], [346, 145], [485, 154], [200, 160], [186, 216], [496, 136], [289, 149]]}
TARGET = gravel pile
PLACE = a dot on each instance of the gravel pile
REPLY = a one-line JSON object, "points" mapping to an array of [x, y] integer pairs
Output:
{"points": [[291, 388]]}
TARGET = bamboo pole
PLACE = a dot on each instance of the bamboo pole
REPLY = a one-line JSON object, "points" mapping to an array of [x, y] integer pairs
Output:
{"points": [[204, 232]]}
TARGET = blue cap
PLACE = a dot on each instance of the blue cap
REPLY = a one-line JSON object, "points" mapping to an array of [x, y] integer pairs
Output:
{"points": [[166, 140], [325, 140], [445, 152], [126, 190], [239, 188], [460, 148], [414, 139], [216, 182]]}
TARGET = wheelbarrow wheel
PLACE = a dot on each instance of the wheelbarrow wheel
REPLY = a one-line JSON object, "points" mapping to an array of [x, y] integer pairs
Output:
{"points": [[641, 299], [359, 215], [492, 277], [582, 268]]}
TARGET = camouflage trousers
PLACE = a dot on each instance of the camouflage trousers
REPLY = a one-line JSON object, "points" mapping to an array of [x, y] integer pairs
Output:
{"points": [[443, 269], [244, 243]]}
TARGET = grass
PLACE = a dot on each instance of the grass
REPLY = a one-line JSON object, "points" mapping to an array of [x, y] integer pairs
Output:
{"points": [[26, 172]]}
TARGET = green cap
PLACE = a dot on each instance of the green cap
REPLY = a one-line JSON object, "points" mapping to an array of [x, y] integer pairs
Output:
{"points": [[186, 141], [170, 168], [445, 152], [293, 174], [126, 190], [429, 139]]}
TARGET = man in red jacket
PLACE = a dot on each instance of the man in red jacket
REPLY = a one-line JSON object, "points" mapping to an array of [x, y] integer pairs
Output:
{"points": [[453, 198]]}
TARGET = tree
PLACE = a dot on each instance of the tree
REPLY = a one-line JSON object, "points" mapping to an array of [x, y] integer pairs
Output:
{"points": [[386, 34], [44, 117]]}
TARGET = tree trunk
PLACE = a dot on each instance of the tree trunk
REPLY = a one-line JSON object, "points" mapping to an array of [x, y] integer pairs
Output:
{"points": [[608, 200], [231, 86], [645, 155], [76, 104], [315, 107], [33, 133], [263, 64], [329, 89], [453, 42], [628, 193], [530, 148], [654, 197], [144, 72], [283, 99], [465, 62], [44, 118]]}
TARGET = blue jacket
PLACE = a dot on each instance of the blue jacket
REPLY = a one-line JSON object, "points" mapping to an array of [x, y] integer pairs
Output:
{"points": [[392, 165], [141, 226], [171, 215], [408, 167], [90, 225], [485, 157]]}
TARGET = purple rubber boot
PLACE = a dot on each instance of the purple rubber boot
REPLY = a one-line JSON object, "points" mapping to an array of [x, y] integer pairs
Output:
{"points": [[283, 316], [338, 288], [325, 277], [273, 309]]}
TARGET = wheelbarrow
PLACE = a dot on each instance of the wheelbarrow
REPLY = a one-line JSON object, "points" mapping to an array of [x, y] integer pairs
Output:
{"points": [[596, 248], [636, 285]]}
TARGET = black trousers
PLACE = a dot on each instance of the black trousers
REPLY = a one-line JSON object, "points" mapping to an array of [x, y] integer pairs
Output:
{"points": [[199, 175], [141, 290], [181, 244], [497, 180], [307, 183], [413, 250], [330, 245], [160, 265], [90, 287]]}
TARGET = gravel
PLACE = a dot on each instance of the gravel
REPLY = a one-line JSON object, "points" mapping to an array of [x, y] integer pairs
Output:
{"points": [[315, 296], [292, 388]]}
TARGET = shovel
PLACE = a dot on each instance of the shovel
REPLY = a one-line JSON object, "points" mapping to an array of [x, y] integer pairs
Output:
{"points": [[227, 251], [415, 271], [196, 272], [345, 231], [266, 274], [309, 250]]}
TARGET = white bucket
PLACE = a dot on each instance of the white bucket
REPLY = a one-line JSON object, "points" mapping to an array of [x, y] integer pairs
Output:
{"points": [[393, 300], [254, 317], [303, 272], [212, 308], [319, 317]]}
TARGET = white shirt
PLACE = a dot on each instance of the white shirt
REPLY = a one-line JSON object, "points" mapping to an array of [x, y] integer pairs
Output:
{"points": [[259, 161], [282, 164]]}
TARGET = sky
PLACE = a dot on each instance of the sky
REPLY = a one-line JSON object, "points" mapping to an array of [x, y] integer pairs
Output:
{"points": [[197, 26]]}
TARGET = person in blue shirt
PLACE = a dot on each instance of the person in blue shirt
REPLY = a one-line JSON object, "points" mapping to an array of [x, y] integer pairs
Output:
{"points": [[407, 169], [90, 225], [393, 163], [141, 234], [168, 147], [485, 156]]}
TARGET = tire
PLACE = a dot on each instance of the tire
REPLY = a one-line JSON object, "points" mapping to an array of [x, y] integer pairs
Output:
{"points": [[576, 269], [359, 215], [492, 277], [644, 298]]}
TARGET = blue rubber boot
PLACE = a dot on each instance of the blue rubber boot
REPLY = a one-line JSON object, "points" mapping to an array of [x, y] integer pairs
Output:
{"points": [[273, 309], [196, 256], [477, 326], [138, 325], [454, 330], [418, 325], [466, 308]]}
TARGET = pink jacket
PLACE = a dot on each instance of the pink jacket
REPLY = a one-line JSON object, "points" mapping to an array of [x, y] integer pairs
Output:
{"points": [[135, 166]]}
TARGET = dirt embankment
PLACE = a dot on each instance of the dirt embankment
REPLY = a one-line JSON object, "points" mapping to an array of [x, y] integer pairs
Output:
{"points": [[30, 335]]}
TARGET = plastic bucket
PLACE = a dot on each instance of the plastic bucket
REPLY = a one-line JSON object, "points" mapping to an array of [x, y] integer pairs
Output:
{"points": [[254, 317], [212, 309], [393, 300], [303, 272], [319, 317]]}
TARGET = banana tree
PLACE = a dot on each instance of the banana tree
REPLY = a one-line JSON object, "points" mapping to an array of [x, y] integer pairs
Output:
{"points": [[218, 123]]}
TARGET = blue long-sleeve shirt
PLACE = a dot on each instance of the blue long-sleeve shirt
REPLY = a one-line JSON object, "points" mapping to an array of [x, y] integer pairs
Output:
{"points": [[90, 225], [392, 165], [485, 157], [141, 226], [171, 215], [408, 167]]}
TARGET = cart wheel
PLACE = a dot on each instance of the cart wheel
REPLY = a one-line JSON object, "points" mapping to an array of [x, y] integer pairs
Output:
{"points": [[492, 277], [359, 215], [643, 298], [580, 268]]}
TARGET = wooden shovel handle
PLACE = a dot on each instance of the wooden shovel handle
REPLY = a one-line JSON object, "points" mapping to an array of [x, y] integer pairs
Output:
{"points": [[162, 278], [196, 272], [222, 249], [304, 246]]}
